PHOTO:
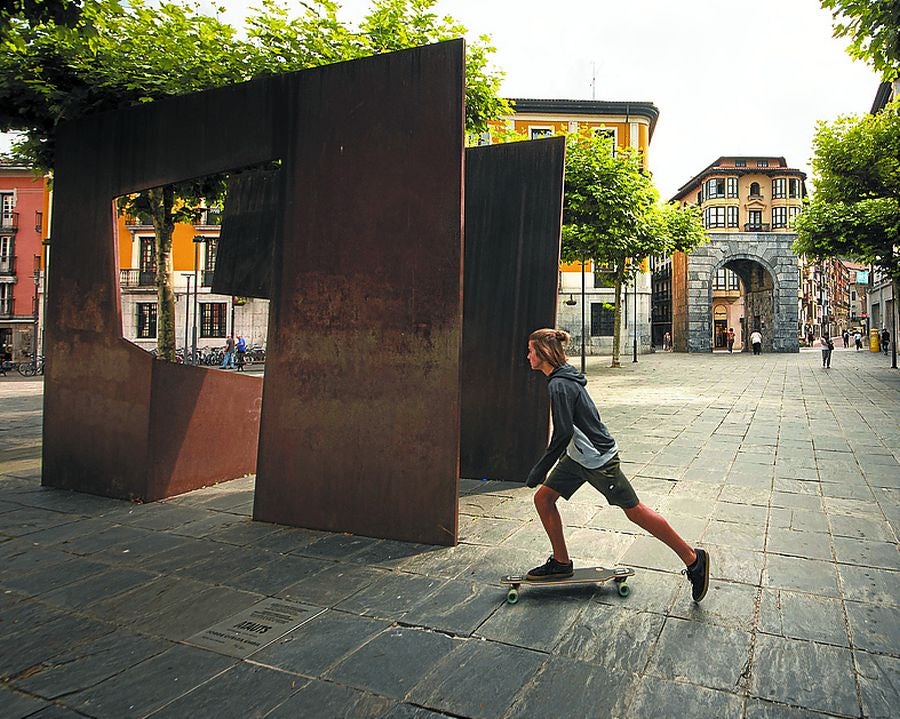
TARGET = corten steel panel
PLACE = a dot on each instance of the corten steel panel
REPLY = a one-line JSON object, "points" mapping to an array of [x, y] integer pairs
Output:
{"points": [[244, 252], [513, 216], [360, 417], [116, 422]]}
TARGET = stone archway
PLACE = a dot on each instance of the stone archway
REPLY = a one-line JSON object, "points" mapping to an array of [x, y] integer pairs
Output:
{"points": [[768, 271]]}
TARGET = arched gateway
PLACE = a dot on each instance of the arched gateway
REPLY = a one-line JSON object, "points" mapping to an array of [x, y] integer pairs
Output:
{"points": [[767, 269]]}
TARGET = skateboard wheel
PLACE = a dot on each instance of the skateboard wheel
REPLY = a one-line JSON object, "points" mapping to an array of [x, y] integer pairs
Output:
{"points": [[512, 596], [624, 589]]}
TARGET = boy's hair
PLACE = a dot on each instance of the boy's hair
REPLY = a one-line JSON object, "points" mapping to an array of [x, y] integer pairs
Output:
{"points": [[550, 345]]}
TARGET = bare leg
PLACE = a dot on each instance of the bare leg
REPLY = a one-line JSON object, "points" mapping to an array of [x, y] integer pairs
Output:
{"points": [[545, 502], [646, 518]]}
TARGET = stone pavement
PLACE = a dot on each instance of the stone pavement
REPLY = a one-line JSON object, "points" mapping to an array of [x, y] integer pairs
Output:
{"points": [[786, 472]]}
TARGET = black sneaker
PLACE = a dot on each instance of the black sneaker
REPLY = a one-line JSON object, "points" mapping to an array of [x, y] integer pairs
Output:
{"points": [[698, 575], [552, 570]]}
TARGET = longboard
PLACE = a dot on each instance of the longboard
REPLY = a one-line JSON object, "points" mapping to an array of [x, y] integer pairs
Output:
{"points": [[584, 575]]}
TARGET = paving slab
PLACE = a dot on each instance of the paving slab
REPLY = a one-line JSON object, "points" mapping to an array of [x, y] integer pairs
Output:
{"points": [[790, 478]]}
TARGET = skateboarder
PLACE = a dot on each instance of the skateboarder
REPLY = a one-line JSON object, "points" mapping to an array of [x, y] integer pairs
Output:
{"points": [[588, 453]]}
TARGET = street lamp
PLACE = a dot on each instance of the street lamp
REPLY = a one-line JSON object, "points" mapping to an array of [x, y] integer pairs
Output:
{"points": [[635, 320], [582, 313], [187, 317], [198, 240]]}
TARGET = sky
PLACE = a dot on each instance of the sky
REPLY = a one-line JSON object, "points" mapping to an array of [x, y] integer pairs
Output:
{"points": [[729, 77]]}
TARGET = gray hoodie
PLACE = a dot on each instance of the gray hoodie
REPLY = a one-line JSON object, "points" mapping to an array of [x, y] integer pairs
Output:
{"points": [[577, 428]]}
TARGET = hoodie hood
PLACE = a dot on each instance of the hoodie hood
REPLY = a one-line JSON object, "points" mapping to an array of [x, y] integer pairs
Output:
{"points": [[568, 372]]}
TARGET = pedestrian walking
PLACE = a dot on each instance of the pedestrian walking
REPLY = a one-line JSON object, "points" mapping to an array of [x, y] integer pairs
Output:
{"points": [[581, 450], [827, 346], [667, 342], [885, 339], [730, 339], [228, 359], [756, 341], [857, 339], [240, 350], [846, 337]]}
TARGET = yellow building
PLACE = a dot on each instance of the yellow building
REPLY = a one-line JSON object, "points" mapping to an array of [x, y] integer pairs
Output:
{"points": [[746, 278], [201, 316], [629, 124]]}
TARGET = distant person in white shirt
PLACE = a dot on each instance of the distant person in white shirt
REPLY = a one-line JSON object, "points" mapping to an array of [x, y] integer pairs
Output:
{"points": [[756, 341]]}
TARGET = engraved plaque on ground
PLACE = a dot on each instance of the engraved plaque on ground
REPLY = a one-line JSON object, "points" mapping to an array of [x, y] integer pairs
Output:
{"points": [[249, 631]]}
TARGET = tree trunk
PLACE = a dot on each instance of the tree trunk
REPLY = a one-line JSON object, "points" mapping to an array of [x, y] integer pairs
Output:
{"points": [[617, 318], [162, 200]]}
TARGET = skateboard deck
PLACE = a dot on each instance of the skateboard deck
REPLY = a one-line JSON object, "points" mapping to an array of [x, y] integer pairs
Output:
{"points": [[583, 575]]}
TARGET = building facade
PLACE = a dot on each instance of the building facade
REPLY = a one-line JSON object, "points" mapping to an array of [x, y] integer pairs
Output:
{"points": [[746, 276], [202, 318], [24, 217], [586, 293]]}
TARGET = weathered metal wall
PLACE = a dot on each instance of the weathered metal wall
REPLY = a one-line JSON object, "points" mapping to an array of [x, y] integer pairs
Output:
{"points": [[360, 417], [116, 422], [251, 220], [513, 215]]}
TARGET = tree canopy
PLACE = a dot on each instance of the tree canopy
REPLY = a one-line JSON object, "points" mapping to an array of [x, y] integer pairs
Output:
{"points": [[114, 55], [60, 61], [855, 210], [612, 214], [873, 27]]}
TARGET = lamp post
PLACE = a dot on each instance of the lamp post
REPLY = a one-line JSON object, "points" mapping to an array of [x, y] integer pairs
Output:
{"points": [[198, 240], [37, 283], [187, 317], [582, 313], [635, 321]]}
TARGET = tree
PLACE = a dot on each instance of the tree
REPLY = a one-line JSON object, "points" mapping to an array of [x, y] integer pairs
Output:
{"points": [[873, 27], [114, 55], [612, 215], [855, 211]]}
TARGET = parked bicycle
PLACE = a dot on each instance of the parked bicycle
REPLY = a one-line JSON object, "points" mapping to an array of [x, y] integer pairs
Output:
{"points": [[32, 368]]}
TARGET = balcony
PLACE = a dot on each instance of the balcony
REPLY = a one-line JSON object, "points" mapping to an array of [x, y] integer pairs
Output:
{"points": [[139, 221], [9, 223], [6, 307], [7, 265], [757, 227], [137, 278]]}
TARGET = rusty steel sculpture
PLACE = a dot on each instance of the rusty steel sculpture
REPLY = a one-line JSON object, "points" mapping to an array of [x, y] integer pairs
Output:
{"points": [[358, 240]]}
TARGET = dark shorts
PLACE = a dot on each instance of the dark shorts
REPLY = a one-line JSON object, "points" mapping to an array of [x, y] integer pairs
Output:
{"points": [[567, 476]]}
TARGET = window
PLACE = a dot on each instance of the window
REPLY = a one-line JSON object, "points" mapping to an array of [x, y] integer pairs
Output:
{"points": [[779, 188], [731, 187], [212, 319], [6, 254], [732, 215], [754, 189], [147, 269], [792, 214], [779, 217], [714, 217], [606, 132], [740, 163], [7, 206], [146, 320], [211, 248], [762, 163], [793, 188], [536, 131], [601, 320], [726, 280], [715, 187]]}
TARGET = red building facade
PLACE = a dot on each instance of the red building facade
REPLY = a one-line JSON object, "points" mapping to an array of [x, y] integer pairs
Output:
{"points": [[24, 202]]}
